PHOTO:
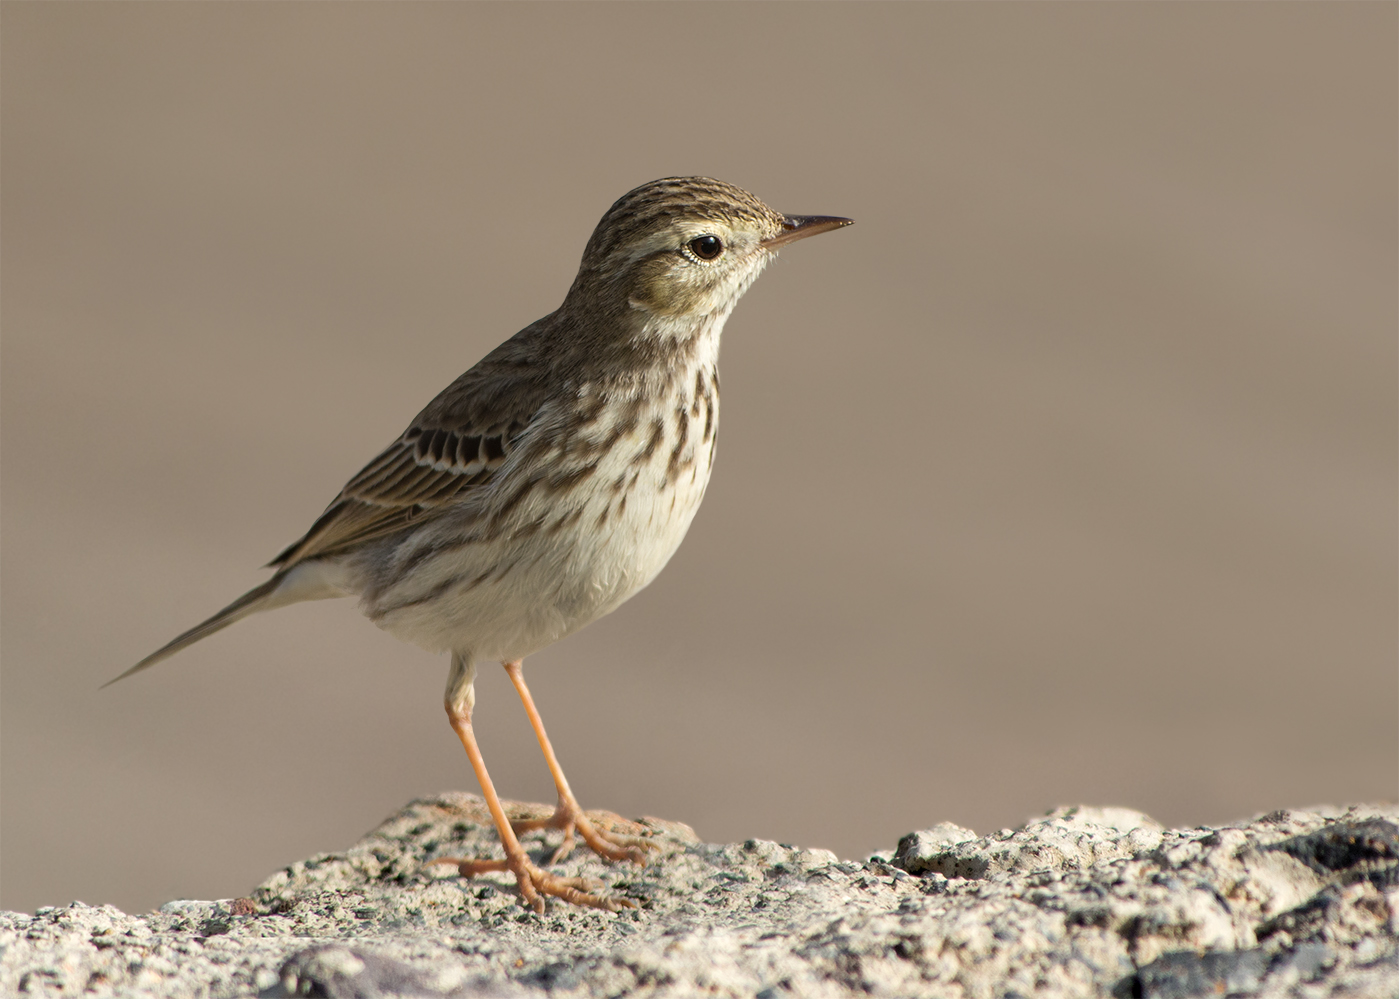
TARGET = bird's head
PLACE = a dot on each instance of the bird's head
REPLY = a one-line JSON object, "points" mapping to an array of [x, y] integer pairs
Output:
{"points": [[683, 249]]}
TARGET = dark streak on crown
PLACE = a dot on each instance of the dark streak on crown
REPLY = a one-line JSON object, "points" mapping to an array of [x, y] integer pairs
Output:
{"points": [[650, 206]]}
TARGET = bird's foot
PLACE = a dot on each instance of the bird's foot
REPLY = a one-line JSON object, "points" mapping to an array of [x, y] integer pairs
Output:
{"points": [[535, 883], [569, 817]]}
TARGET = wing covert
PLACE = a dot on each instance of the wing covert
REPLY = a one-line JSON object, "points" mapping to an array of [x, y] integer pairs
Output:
{"points": [[454, 445]]}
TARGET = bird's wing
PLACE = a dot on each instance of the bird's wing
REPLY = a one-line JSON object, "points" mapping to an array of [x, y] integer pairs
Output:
{"points": [[454, 445]]}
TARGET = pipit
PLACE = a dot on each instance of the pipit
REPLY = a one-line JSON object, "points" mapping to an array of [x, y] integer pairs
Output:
{"points": [[550, 482]]}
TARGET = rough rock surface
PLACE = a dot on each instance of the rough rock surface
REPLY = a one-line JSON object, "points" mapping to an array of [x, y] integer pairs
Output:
{"points": [[1083, 902]]}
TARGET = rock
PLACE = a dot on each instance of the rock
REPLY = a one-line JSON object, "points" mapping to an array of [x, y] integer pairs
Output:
{"points": [[1070, 839], [1081, 902]]}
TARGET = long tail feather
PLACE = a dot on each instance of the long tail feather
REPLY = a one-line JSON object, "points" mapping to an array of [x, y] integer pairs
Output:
{"points": [[254, 600]]}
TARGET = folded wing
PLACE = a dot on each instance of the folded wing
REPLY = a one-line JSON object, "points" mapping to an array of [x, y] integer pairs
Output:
{"points": [[454, 445]]}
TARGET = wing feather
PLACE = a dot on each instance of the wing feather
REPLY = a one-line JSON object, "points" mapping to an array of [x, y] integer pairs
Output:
{"points": [[453, 446]]}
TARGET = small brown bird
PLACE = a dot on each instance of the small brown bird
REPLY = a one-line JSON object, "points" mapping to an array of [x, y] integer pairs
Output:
{"points": [[553, 480]]}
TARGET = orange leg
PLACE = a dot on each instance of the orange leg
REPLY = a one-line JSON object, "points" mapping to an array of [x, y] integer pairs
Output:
{"points": [[569, 816], [533, 882]]}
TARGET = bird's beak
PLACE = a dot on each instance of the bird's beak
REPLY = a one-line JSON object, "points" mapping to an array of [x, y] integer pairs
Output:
{"points": [[796, 227]]}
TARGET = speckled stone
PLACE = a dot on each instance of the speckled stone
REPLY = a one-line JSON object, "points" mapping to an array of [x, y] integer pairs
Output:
{"points": [[1081, 902]]}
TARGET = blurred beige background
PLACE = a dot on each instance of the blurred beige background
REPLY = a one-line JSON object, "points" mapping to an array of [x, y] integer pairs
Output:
{"points": [[1068, 475]]}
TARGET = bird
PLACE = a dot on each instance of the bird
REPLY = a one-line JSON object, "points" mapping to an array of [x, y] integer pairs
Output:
{"points": [[550, 482]]}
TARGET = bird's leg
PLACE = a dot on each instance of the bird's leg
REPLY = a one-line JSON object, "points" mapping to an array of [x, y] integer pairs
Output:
{"points": [[533, 882], [569, 816]]}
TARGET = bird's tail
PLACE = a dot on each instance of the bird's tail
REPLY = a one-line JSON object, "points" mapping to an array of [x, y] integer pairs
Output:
{"points": [[301, 582]]}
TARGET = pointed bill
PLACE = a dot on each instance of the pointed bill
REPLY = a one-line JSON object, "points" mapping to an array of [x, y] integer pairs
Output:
{"points": [[796, 227]]}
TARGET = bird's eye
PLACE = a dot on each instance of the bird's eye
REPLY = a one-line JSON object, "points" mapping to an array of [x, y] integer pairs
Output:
{"points": [[706, 247]]}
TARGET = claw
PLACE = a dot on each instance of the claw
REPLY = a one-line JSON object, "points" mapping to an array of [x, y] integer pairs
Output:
{"points": [[570, 818], [565, 848], [535, 883]]}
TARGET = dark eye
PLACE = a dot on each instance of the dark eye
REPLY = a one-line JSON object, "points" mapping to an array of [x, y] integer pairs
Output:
{"points": [[706, 247]]}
